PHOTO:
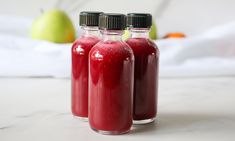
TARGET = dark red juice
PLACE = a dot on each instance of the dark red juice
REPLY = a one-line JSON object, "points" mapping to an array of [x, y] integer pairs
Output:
{"points": [[80, 52], [146, 78], [88, 22], [111, 86]]}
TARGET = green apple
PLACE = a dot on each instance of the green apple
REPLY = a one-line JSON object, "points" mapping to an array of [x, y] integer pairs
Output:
{"points": [[55, 26], [152, 33]]}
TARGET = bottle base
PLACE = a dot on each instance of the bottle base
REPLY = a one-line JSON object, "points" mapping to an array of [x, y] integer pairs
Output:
{"points": [[85, 119], [145, 121], [110, 132]]}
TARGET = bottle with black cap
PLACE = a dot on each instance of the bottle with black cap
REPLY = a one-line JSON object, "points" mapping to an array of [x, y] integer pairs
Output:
{"points": [[79, 78], [111, 76], [146, 68]]}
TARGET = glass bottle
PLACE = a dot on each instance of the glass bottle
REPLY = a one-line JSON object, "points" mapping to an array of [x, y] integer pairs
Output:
{"points": [[80, 50], [146, 68], [111, 75]]}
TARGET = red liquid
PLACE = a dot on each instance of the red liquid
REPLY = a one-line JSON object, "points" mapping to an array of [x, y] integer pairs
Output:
{"points": [[80, 52], [146, 78], [111, 86]]}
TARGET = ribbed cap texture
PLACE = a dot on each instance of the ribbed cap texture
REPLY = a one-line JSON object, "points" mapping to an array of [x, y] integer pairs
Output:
{"points": [[89, 18], [139, 20], [112, 21]]}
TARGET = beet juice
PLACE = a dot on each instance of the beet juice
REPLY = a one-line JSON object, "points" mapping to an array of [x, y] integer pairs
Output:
{"points": [[146, 68], [80, 51], [111, 77]]}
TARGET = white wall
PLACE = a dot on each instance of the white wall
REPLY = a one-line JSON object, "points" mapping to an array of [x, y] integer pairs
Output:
{"points": [[188, 16], [195, 16]]}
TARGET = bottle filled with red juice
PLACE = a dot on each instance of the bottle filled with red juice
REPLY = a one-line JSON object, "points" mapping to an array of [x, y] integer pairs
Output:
{"points": [[111, 76], [80, 51], [146, 68]]}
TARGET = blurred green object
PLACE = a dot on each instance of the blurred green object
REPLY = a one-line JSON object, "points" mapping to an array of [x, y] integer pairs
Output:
{"points": [[126, 35], [55, 26], [152, 33]]}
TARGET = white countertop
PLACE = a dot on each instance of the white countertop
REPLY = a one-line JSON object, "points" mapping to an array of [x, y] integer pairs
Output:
{"points": [[38, 109]]}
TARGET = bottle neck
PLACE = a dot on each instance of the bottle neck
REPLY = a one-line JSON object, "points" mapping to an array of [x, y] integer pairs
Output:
{"points": [[90, 31], [112, 35], [139, 32]]}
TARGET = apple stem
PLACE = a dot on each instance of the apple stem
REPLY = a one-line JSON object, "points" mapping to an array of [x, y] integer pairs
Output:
{"points": [[41, 10], [77, 5], [58, 3], [161, 8]]}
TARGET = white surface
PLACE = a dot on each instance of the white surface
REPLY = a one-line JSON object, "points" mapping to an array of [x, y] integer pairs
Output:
{"points": [[189, 110], [211, 53], [26, 57]]}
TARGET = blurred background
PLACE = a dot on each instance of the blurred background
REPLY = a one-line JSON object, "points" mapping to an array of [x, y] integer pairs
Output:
{"points": [[188, 16], [203, 44]]}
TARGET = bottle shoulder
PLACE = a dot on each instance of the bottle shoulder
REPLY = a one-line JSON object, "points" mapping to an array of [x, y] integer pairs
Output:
{"points": [[142, 46], [112, 46], [86, 40], [112, 49], [83, 45]]}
